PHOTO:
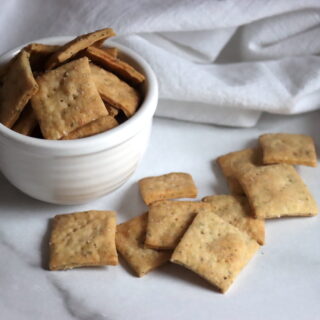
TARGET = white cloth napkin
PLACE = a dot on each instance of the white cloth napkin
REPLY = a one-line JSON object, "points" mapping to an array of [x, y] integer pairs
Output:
{"points": [[221, 62]]}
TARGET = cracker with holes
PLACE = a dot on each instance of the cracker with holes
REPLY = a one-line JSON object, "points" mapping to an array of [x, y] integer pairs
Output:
{"points": [[117, 66], [288, 148], [26, 122], [130, 238], [236, 211], [215, 250], [67, 99], [83, 239], [82, 42], [168, 186], [16, 88], [97, 126], [115, 91], [277, 190], [235, 163], [168, 221]]}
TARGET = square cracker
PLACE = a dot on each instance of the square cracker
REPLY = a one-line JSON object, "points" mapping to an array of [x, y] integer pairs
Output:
{"points": [[67, 99], [26, 122], [130, 238], [235, 163], [97, 126], [168, 221], [17, 86], [168, 186], [288, 148], [277, 190], [115, 91], [83, 239], [214, 249], [117, 66], [236, 211], [82, 42]]}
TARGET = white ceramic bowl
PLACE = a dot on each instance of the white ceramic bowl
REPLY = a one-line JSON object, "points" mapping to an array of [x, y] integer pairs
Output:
{"points": [[77, 171]]}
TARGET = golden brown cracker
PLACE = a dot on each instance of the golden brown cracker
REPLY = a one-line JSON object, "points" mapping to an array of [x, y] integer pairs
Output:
{"points": [[16, 88], [39, 53], [168, 221], [83, 239], [82, 42], [115, 91], [236, 211], [235, 163], [97, 126], [100, 43], [288, 148], [277, 190], [117, 66], [113, 111], [26, 122], [214, 249], [130, 238], [168, 186], [113, 52], [67, 99]]}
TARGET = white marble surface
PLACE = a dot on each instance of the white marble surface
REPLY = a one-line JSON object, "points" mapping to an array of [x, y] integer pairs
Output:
{"points": [[281, 282]]}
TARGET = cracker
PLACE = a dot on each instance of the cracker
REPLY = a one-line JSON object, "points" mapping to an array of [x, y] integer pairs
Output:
{"points": [[168, 221], [113, 111], [235, 163], [215, 250], [97, 126], [168, 186], [67, 99], [26, 122], [99, 44], [130, 238], [82, 42], [288, 148], [236, 211], [83, 239], [115, 91], [113, 52], [39, 53], [277, 190], [16, 88], [119, 67]]}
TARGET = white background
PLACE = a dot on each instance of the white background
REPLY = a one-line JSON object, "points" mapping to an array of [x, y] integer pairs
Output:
{"points": [[281, 282], [218, 62]]}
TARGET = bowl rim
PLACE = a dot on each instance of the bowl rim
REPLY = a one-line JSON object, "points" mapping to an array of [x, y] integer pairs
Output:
{"points": [[99, 141]]}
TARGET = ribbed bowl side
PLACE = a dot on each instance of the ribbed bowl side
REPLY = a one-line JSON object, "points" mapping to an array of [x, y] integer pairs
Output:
{"points": [[74, 179]]}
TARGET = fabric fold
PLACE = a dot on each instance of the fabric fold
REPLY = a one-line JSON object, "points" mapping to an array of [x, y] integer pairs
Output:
{"points": [[218, 62]]}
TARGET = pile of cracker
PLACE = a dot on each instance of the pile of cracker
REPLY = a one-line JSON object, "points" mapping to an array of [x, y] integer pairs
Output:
{"points": [[71, 91], [215, 237]]}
